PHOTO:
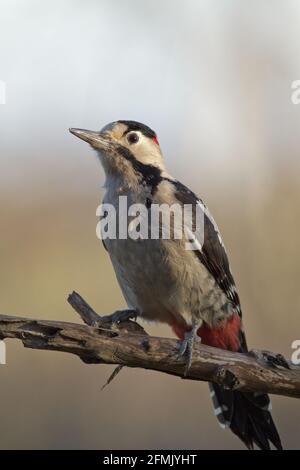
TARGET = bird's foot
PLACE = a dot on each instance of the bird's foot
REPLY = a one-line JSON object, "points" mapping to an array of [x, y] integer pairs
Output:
{"points": [[118, 316], [186, 346], [270, 358]]}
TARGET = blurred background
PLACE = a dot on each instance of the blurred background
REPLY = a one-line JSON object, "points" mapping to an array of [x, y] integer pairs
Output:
{"points": [[214, 80]]}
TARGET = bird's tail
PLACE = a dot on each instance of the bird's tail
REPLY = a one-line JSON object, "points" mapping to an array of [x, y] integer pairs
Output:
{"points": [[246, 414]]}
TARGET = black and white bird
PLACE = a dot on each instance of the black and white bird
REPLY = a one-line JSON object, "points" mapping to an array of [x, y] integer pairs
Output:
{"points": [[193, 291]]}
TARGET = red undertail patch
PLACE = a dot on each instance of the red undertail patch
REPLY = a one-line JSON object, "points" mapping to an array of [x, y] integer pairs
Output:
{"points": [[226, 336], [180, 330]]}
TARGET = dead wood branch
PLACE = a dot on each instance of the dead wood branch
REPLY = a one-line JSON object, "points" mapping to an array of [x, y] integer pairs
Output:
{"points": [[127, 344]]}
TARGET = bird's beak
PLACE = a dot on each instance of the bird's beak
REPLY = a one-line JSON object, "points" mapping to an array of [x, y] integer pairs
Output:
{"points": [[98, 140]]}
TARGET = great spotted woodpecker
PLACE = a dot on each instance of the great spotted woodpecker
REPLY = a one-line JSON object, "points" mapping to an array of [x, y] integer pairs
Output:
{"points": [[193, 291]]}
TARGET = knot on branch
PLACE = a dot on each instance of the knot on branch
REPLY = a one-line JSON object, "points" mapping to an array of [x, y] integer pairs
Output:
{"points": [[227, 378], [270, 359]]}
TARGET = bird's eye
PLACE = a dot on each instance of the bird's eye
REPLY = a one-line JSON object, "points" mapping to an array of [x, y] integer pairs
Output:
{"points": [[133, 137]]}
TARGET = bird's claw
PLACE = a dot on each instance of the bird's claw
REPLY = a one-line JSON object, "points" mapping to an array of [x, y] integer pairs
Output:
{"points": [[186, 347], [272, 359], [119, 316]]}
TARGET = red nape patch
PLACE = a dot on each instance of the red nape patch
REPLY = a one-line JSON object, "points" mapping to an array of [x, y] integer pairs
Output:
{"points": [[224, 337], [155, 139]]}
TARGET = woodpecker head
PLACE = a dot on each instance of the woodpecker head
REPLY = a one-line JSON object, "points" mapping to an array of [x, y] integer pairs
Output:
{"points": [[124, 147]]}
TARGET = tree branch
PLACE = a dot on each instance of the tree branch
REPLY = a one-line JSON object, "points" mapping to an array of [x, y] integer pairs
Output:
{"points": [[127, 344]]}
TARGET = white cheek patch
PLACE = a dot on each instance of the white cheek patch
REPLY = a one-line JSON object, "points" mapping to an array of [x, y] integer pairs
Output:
{"points": [[147, 152]]}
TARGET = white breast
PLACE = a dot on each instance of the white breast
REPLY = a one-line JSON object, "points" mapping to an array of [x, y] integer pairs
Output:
{"points": [[159, 278]]}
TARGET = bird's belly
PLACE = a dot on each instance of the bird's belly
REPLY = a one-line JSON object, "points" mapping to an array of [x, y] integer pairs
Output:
{"points": [[164, 282]]}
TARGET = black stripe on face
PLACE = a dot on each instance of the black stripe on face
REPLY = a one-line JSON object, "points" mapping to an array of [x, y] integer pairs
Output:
{"points": [[137, 126], [151, 175]]}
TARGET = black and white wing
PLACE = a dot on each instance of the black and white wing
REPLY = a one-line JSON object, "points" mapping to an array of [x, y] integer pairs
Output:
{"points": [[211, 252]]}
